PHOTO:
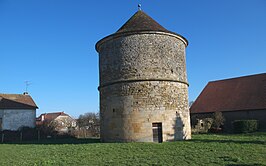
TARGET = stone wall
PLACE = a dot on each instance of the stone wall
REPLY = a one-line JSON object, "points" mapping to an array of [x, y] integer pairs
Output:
{"points": [[142, 56], [14, 118], [143, 81], [129, 109]]}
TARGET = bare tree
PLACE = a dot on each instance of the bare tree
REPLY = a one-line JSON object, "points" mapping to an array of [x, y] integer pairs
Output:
{"points": [[91, 122]]}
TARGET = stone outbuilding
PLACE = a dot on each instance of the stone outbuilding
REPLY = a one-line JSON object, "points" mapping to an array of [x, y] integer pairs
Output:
{"points": [[143, 83], [241, 98], [17, 110]]}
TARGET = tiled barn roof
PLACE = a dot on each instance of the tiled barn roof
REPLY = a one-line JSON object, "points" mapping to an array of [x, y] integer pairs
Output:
{"points": [[242, 93], [16, 101]]}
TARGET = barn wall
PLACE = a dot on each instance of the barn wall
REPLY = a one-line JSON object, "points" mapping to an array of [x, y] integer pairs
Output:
{"points": [[231, 116], [245, 115], [13, 119]]}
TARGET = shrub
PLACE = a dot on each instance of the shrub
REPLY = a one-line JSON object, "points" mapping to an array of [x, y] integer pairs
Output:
{"points": [[47, 129], [10, 136], [245, 126], [27, 133], [89, 125]]}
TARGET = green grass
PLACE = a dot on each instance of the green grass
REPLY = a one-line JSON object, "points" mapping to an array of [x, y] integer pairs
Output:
{"points": [[245, 149]]}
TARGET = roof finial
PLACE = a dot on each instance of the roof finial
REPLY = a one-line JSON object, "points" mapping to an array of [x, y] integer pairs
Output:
{"points": [[139, 6]]}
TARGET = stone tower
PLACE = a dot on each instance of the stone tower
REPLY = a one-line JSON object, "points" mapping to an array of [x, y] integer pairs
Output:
{"points": [[143, 83]]}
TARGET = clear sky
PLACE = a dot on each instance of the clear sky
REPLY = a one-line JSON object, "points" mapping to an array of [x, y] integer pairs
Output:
{"points": [[51, 43]]}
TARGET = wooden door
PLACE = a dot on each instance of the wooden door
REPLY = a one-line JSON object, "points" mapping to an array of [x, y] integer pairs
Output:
{"points": [[157, 132]]}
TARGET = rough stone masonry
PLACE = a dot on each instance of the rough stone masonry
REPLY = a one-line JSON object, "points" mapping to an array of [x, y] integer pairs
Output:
{"points": [[143, 83]]}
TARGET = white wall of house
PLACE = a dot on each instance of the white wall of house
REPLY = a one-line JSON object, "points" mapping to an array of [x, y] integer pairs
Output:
{"points": [[13, 119], [64, 122]]}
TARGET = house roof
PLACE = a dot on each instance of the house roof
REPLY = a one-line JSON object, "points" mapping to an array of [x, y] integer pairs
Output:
{"points": [[242, 93], [51, 116], [16, 101], [140, 22]]}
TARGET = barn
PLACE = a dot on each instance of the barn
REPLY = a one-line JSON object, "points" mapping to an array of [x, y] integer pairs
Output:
{"points": [[17, 110], [239, 98]]}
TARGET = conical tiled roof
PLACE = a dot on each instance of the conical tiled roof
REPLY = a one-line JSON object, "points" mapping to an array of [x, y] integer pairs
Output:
{"points": [[140, 21]]}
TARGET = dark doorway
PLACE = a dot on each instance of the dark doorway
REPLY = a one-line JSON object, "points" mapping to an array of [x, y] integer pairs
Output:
{"points": [[157, 132]]}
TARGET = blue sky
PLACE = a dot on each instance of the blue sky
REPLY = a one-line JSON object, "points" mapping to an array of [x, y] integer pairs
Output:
{"points": [[51, 43]]}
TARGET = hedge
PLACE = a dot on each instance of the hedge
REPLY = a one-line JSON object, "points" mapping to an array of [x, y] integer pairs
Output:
{"points": [[245, 126]]}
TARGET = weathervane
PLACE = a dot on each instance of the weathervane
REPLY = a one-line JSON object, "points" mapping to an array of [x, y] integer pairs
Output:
{"points": [[139, 6], [27, 83]]}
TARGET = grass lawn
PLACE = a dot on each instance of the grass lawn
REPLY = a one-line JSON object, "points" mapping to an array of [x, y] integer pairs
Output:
{"points": [[245, 149]]}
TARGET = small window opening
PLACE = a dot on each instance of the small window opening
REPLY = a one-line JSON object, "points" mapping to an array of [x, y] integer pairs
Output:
{"points": [[172, 71]]}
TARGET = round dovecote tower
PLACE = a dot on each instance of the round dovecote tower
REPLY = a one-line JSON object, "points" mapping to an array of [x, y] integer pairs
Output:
{"points": [[143, 83]]}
